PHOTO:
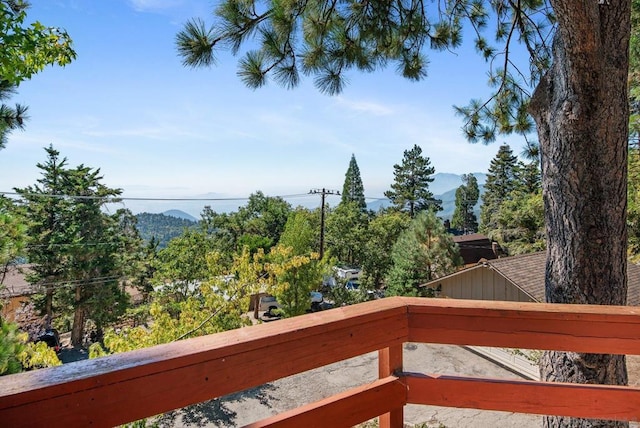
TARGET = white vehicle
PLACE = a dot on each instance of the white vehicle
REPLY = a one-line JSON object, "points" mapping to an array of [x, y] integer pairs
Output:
{"points": [[267, 302]]}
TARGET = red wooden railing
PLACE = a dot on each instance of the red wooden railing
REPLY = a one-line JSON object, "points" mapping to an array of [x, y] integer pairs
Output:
{"points": [[125, 387]]}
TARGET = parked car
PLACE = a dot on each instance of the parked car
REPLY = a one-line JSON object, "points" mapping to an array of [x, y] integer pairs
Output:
{"points": [[51, 338], [266, 302], [317, 302]]}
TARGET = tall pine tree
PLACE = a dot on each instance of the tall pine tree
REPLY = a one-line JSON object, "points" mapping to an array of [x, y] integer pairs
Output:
{"points": [[47, 227], [410, 189], [501, 181], [353, 189], [466, 198]]}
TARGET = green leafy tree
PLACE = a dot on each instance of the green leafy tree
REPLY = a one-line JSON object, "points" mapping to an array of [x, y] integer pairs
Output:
{"points": [[516, 218], [220, 227], [26, 50], [353, 189], [410, 189], [300, 234], [578, 63], [262, 220], [11, 346], [17, 354], [382, 233], [422, 253], [466, 199], [76, 250], [183, 264], [218, 304], [501, 181], [293, 277], [346, 230]]}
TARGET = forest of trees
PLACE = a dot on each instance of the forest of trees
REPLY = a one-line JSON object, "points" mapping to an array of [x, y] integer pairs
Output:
{"points": [[161, 228]]}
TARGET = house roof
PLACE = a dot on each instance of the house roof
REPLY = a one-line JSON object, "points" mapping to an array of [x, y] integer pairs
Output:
{"points": [[527, 271], [14, 283], [470, 237]]}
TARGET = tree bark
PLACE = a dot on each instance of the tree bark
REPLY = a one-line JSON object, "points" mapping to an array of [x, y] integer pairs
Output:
{"points": [[581, 111], [77, 330]]}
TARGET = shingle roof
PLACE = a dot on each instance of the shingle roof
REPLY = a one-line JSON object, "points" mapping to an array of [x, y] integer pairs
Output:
{"points": [[14, 283], [527, 271]]}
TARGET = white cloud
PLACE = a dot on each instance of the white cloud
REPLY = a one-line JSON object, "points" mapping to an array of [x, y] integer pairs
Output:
{"points": [[154, 5], [369, 107]]}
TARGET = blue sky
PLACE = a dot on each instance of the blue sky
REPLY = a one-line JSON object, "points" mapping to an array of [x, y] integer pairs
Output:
{"points": [[157, 129]]}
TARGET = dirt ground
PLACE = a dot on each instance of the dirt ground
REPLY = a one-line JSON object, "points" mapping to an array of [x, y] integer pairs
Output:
{"points": [[273, 398]]}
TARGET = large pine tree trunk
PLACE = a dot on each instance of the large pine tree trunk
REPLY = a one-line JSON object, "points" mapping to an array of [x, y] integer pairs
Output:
{"points": [[581, 111], [79, 316]]}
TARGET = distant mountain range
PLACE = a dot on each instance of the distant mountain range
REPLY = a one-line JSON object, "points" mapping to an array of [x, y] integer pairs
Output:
{"points": [[443, 187], [180, 214], [173, 222]]}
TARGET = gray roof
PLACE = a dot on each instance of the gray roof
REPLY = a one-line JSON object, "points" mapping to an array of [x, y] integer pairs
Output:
{"points": [[527, 271]]}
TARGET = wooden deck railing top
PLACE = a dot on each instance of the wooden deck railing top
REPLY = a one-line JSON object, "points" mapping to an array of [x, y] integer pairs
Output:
{"points": [[125, 387]]}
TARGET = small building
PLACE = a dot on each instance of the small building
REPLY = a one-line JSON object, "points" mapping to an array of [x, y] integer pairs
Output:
{"points": [[15, 291], [517, 278], [475, 247]]}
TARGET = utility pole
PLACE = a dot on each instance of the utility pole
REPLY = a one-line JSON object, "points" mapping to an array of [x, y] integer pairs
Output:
{"points": [[324, 193]]}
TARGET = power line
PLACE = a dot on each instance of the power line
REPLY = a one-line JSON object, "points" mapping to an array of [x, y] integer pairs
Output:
{"points": [[116, 199]]}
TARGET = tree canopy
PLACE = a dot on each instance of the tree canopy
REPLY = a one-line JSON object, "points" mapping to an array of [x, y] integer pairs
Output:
{"points": [[26, 50], [353, 189], [410, 188], [466, 199]]}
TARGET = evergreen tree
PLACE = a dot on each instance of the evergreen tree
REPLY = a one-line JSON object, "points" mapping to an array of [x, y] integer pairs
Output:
{"points": [[353, 190], [410, 189], [11, 118], [76, 250], [501, 181], [12, 236], [46, 212], [423, 252], [466, 199], [520, 224], [94, 270]]}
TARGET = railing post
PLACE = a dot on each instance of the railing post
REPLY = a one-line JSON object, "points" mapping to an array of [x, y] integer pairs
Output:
{"points": [[390, 361]]}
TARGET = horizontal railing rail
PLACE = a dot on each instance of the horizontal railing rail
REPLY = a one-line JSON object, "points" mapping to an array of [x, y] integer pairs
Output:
{"points": [[125, 387]]}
